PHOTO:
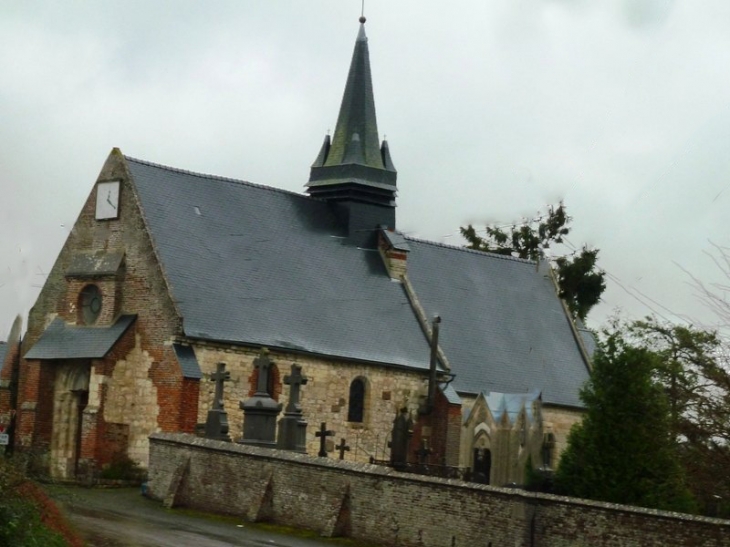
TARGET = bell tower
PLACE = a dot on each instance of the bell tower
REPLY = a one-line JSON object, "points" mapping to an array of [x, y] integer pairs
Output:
{"points": [[353, 171]]}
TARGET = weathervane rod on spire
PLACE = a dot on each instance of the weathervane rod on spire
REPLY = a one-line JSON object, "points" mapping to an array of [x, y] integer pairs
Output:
{"points": [[362, 12]]}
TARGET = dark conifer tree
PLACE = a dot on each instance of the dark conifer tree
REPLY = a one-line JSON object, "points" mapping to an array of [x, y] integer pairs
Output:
{"points": [[623, 450]]}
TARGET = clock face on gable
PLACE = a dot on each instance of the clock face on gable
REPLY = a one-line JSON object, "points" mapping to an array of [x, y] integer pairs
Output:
{"points": [[107, 200]]}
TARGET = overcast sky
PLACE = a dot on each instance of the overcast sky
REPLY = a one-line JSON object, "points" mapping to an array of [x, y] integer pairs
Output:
{"points": [[492, 109]]}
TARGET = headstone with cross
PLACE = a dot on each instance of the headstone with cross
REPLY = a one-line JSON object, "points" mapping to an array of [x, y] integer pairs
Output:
{"points": [[424, 452], [323, 433], [342, 448], [293, 426], [260, 411], [400, 438], [216, 426]]}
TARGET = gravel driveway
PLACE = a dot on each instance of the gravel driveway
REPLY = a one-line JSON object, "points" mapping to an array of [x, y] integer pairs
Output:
{"points": [[124, 518]]}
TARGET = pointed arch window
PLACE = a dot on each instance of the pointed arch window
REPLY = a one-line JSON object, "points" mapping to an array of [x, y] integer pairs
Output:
{"points": [[356, 406]]}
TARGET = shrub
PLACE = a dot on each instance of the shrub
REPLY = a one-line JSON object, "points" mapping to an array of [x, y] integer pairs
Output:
{"points": [[20, 515]]}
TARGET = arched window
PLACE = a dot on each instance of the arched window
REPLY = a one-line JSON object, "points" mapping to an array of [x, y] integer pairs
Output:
{"points": [[356, 408]]}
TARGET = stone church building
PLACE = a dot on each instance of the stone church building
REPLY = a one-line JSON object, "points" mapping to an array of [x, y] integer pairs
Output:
{"points": [[168, 273]]}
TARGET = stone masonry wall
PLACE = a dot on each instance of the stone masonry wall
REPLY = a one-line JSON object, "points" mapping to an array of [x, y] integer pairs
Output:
{"points": [[559, 421], [388, 508], [324, 398], [132, 399]]}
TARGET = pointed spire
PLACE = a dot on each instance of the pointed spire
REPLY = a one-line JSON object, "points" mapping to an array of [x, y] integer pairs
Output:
{"points": [[354, 166], [357, 112]]}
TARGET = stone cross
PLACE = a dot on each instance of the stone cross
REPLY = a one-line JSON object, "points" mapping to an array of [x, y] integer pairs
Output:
{"points": [[219, 376], [262, 364], [424, 452], [295, 380], [342, 447], [216, 424], [323, 433]]}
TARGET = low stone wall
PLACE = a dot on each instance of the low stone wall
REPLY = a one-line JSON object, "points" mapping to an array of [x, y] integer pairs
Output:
{"points": [[382, 506]]}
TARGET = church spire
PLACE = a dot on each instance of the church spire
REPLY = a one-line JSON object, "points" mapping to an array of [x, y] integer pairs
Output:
{"points": [[353, 166]]}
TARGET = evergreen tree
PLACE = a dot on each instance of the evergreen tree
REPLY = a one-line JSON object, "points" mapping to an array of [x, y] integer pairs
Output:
{"points": [[622, 451], [580, 281]]}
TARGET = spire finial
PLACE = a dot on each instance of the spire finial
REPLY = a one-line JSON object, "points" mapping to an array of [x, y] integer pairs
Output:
{"points": [[362, 13]]}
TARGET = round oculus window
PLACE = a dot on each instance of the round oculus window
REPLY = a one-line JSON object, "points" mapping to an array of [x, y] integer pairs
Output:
{"points": [[90, 300]]}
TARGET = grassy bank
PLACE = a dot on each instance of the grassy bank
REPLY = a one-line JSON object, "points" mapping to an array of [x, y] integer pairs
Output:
{"points": [[28, 517]]}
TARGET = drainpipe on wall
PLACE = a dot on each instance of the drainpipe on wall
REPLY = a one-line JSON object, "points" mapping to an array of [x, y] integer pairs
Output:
{"points": [[430, 402]]}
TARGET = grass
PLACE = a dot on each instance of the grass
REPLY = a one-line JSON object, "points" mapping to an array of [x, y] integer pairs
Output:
{"points": [[273, 528]]}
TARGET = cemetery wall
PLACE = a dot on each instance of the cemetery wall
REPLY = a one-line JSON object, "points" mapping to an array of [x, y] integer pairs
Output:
{"points": [[380, 505]]}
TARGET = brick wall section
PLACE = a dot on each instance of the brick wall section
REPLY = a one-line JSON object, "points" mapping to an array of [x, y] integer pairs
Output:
{"points": [[189, 405], [27, 402], [275, 382], [390, 508], [441, 430], [453, 434], [9, 370], [34, 420], [44, 411], [167, 378]]}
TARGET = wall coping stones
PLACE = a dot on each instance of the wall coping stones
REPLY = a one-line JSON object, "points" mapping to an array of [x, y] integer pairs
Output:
{"points": [[530, 498]]}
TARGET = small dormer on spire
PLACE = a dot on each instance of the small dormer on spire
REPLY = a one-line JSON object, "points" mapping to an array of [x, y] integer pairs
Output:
{"points": [[353, 167]]}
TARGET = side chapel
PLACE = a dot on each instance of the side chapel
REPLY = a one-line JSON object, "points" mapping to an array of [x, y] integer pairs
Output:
{"points": [[168, 273]]}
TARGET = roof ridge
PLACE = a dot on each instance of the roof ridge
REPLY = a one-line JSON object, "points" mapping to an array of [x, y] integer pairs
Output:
{"points": [[217, 178], [467, 250]]}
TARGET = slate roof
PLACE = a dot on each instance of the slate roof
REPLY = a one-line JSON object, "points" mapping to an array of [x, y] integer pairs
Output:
{"points": [[254, 265], [266, 267], [357, 114], [99, 263], [589, 340], [189, 365], [503, 326], [62, 341]]}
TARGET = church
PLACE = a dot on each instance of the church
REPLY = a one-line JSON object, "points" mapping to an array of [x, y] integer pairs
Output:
{"points": [[169, 274]]}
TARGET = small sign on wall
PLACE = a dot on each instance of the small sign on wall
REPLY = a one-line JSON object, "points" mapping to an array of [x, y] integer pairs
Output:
{"points": [[4, 439]]}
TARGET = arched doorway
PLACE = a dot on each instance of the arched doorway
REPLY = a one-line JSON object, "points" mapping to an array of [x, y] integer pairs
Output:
{"points": [[70, 397], [482, 466], [482, 458]]}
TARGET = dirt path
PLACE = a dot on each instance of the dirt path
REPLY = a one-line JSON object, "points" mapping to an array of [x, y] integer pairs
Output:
{"points": [[124, 518]]}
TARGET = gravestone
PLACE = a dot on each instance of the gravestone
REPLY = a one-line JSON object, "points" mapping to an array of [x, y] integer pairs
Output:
{"points": [[323, 433], [216, 426], [293, 426], [423, 453], [342, 448], [400, 437], [260, 411]]}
